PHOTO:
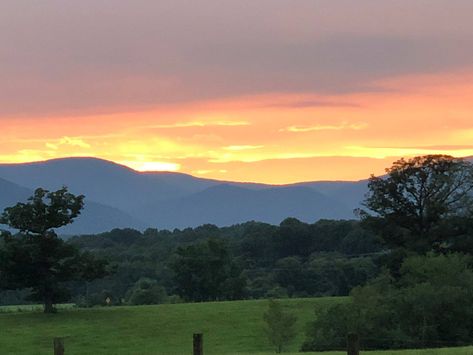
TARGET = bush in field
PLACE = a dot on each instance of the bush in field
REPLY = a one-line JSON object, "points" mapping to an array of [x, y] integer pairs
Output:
{"points": [[428, 306], [279, 325], [147, 291]]}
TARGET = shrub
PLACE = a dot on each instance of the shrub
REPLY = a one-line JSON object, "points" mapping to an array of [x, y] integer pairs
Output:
{"points": [[147, 291], [429, 306]]}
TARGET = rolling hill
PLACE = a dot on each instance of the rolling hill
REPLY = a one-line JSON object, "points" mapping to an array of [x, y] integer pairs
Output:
{"points": [[229, 204], [94, 218], [117, 196], [11, 193]]}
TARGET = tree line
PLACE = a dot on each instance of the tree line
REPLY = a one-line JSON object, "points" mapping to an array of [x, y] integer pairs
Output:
{"points": [[126, 266], [246, 261]]}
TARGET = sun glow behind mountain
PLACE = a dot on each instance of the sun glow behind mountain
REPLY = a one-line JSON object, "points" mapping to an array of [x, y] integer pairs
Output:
{"points": [[300, 91], [151, 166]]}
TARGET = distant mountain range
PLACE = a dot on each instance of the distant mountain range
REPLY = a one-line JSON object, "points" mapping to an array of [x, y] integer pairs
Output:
{"points": [[117, 196]]}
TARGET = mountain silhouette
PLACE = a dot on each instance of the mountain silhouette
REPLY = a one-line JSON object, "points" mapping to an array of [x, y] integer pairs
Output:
{"points": [[117, 196]]}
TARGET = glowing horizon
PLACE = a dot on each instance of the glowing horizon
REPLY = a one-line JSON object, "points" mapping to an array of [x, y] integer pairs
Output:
{"points": [[293, 94]]}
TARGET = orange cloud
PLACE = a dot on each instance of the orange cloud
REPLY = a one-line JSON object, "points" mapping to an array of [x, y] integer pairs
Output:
{"points": [[264, 138], [242, 147], [338, 127], [201, 124]]}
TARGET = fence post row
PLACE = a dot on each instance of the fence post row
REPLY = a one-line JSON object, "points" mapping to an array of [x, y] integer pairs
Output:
{"points": [[58, 346], [353, 345], [198, 344]]}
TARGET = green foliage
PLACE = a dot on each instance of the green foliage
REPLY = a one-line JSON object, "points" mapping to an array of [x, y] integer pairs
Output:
{"points": [[428, 306], [323, 274], [36, 258], [44, 211], [414, 205], [147, 291], [254, 268], [280, 325], [205, 272]]}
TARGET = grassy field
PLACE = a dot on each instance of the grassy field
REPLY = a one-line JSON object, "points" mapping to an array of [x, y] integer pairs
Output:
{"points": [[228, 327]]}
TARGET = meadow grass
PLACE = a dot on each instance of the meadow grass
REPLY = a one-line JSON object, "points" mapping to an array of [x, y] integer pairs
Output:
{"points": [[228, 327]]}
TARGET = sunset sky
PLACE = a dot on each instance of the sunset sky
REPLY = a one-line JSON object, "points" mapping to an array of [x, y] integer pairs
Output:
{"points": [[273, 91]]}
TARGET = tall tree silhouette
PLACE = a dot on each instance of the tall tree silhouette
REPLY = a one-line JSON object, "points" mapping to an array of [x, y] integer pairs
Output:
{"points": [[36, 257]]}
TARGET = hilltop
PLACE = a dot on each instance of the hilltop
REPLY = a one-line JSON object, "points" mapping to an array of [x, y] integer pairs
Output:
{"points": [[117, 196]]}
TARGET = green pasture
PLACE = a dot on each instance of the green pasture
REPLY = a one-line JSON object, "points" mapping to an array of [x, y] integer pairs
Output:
{"points": [[228, 328]]}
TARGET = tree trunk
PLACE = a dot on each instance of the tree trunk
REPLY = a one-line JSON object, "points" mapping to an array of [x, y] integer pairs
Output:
{"points": [[48, 305]]}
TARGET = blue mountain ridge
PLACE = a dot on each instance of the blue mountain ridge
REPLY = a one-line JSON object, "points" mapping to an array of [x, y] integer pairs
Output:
{"points": [[117, 196]]}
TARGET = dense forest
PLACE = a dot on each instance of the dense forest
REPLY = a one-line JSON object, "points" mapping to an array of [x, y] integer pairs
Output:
{"points": [[250, 260]]}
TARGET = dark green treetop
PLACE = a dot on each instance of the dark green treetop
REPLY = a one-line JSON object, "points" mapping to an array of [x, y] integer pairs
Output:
{"points": [[413, 206]]}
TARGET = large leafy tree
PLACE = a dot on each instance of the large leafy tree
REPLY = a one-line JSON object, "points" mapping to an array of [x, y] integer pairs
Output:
{"points": [[422, 203], [36, 258]]}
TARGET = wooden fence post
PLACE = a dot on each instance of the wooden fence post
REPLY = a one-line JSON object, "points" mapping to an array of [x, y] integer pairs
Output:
{"points": [[58, 346], [198, 344], [353, 344]]}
